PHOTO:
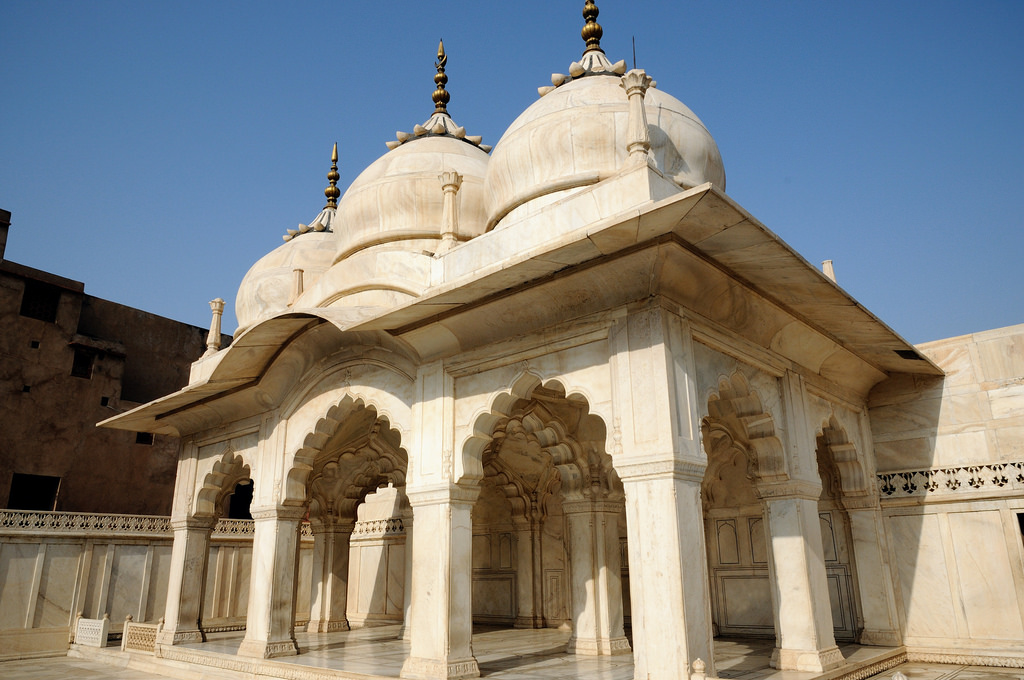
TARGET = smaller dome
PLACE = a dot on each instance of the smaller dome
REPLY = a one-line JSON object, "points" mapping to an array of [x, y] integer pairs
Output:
{"points": [[400, 197], [266, 289]]}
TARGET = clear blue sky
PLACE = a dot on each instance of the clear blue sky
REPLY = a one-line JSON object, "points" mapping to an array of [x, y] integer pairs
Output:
{"points": [[155, 150]]}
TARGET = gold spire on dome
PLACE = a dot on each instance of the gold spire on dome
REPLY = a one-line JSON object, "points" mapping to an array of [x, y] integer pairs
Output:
{"points": [[594, 62], [440, 123], [441, 96], [332, 192], [592, 30]]}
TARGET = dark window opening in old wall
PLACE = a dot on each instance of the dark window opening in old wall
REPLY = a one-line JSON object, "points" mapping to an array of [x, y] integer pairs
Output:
{"points": [[33, 492], [82, 365], [40, 301]]}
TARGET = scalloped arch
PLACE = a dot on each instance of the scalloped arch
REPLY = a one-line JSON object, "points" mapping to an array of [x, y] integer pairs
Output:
{"points": [[228, 469], [738, 409]]}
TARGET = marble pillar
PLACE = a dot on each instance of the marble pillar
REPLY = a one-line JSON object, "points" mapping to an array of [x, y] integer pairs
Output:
{"points": [[186, 584], [270, 620], [528, 607], [596, 578], [874, 577], [329, 596], [405, 633], [802, 610], [442, 584], [669, 592]]}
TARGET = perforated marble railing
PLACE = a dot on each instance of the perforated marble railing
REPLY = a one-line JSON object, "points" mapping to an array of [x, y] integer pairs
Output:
{"points": [[57, 565]]}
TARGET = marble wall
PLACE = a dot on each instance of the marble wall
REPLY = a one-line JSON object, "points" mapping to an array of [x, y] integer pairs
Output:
{"points": [[54, 565], [950, 456]]}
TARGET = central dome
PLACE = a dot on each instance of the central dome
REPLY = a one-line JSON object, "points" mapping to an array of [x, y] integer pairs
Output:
{"points": [[576, 135]]}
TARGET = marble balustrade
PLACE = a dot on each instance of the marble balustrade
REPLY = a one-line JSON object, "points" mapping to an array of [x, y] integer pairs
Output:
{"points": [[54, 565]]}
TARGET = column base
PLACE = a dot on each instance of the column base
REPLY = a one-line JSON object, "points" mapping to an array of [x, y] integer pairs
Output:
{"points": [[598, 647], [179, 637], [813, 660], [327, 626], [267, 650], [528, 622], [419, 668], [880, 638]]}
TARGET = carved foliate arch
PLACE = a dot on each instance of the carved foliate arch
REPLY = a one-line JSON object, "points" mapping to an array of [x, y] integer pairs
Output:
{"points": [[839, 464], [530, 450], [228, 470], [310, 459], [737, 409]]}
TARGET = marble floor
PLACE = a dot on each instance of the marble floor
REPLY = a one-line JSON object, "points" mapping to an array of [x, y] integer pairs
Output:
{"points": [[503, 654]]}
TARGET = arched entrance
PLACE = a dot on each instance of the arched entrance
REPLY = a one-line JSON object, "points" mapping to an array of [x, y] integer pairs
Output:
{"points": [[359, 548], [547, 542]]}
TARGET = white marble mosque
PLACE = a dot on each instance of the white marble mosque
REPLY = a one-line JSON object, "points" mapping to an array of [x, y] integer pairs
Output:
{"points": [[568, 383]]}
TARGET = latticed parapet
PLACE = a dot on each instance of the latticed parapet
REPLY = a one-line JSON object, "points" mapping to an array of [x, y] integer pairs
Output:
{"points": [[34, 522], [994, 479], [373, 528]]}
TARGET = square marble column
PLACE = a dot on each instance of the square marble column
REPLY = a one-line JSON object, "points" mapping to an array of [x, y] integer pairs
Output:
{"points": [[595, 579], [442, 585], [406, 631], [329, 596], [874, 576], [186, 583], [528, 604], [270, 620], [669, 592], [803, 612]]}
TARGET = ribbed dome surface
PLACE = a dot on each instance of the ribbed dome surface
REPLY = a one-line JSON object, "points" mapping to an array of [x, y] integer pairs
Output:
{"points": [[399, 197], [577, 134], [267, 286]]}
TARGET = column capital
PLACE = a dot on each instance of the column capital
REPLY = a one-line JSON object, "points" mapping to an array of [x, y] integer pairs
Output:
{"points": [[193, 522], [331, 525], [607, 506], [280, 512], [792, 488], [442, 494], [645, 468]]}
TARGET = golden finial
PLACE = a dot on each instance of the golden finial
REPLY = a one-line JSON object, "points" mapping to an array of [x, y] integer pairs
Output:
{"points": [[333, 192], [441, 96], [592, 30]]}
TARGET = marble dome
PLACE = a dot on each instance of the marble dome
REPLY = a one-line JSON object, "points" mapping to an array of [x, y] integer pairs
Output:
{"points": [[267, 287], [399, 196], [576, 135]]}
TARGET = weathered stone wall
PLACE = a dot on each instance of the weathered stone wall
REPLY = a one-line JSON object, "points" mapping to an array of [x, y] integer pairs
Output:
{"points": [[49, 415]]}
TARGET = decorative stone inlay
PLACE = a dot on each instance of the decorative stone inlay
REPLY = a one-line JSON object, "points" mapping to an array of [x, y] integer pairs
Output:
{"points": [[379, 527], [416, 667], [966, 659], [992, 477]]}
